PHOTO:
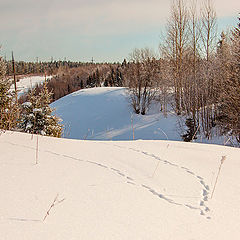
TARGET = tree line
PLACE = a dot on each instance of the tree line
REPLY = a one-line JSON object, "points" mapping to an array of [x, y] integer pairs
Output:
{"points": [[39, 67], [68, 80], [200, 71]]}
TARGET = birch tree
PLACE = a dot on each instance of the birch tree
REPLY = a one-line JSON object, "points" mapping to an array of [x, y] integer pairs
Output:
{"points": [[175, 48], [208, 40]]}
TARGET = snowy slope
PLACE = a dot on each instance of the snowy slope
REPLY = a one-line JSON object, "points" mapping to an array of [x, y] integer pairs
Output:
{"points": [[117, 190], [105, 114], [26, 83]]}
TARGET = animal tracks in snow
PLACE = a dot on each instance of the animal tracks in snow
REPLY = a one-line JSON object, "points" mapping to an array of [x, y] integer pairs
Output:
{"points": [[204, 210]]}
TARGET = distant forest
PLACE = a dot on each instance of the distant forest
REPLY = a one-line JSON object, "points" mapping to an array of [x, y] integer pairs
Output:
{"points": [[70, 76]]}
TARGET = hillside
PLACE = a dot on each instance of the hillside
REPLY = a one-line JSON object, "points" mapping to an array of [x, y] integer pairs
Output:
{"points": [[104, 113], [117, 190]]}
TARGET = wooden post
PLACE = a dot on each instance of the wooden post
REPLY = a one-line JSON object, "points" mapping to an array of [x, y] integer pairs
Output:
{"points": [[14, 76]]}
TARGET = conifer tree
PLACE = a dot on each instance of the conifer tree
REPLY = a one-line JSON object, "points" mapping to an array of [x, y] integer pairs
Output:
{"points": [[37, 115]]}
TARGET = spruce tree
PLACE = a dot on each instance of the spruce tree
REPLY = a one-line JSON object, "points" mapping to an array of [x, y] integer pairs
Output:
{"points": [[37, 115], [190, 134]]}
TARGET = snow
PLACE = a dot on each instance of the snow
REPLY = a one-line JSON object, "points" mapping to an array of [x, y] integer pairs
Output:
{"points": [[105, 114], [37, 110], [26, 83], [27, 104], [117, 189]]}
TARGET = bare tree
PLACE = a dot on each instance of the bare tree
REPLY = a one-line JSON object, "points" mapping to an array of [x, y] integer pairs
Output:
{"points": [[208, 28], [194, 29], [175, 47], [141, 79], [208, 37]]}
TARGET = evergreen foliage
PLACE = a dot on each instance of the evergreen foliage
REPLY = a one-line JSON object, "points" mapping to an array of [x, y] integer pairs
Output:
{"points": [[37, 115], [189, 135]]}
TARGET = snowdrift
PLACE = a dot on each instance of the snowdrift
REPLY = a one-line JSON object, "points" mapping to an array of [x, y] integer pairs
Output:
{"points": [[116, 190], [104, 113]]}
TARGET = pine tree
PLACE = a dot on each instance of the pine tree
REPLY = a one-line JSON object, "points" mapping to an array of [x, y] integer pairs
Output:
{"points": [[37, 115]]}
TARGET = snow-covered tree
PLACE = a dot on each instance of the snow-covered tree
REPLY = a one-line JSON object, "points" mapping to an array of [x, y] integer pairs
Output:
{"points": [[37, 115], [8, 108]]}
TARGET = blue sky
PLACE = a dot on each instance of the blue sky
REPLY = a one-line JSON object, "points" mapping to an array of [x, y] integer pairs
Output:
{"points": [[107, 30]]}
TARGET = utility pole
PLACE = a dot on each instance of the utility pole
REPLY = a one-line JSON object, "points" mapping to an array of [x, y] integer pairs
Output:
{"points": [[14, 77], [15, 82]]}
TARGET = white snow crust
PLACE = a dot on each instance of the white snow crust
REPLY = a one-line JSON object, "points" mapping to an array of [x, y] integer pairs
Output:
{"points": [[117, 190]]}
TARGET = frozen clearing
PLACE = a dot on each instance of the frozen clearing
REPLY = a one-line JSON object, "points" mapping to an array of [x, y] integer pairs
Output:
{"points": [[26, 83], [112, 190], [105, 114]]}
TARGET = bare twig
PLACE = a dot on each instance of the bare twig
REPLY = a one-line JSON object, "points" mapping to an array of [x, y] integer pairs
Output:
{"points": [[222, 161], [132, 126], [55, 202], [37, 151], [85, 137], [164, 133], [157, 165]]}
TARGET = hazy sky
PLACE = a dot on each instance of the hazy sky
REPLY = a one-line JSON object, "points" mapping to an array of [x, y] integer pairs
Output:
{"points": [[106, 30]]}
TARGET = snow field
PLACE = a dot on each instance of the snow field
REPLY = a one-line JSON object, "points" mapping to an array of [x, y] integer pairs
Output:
{"points": [[26, 83], [117, 190], [105, 114]]}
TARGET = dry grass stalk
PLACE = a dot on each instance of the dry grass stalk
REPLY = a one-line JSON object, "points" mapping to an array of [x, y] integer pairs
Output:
{"points": [[219, 170], [132, 127], [37, 151], [55, 202], [157, 165]]}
